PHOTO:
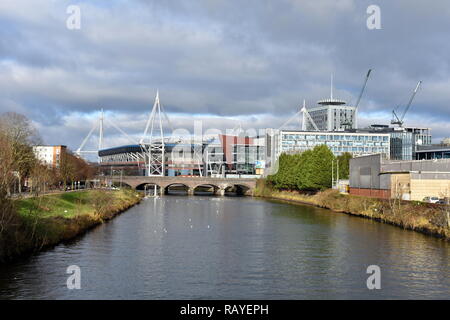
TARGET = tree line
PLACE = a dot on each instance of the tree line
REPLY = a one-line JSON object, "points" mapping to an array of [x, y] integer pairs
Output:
{"points": [[310, 170], [19, 163]]}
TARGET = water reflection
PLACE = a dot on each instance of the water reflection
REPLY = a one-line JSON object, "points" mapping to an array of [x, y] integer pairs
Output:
{"points": [[235, 248]]}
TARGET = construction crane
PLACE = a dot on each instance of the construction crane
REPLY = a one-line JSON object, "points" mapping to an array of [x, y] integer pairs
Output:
{"points": [[399, 121], [348, 122]]}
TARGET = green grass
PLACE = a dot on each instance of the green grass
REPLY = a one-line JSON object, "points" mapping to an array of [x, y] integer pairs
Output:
{"points": [[50, 219], [66, 205]]}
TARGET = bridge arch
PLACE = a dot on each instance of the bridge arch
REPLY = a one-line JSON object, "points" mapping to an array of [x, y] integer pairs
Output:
{"points": [[142, 186], [213, 189], [121, 184], [241, 185], [239, 189], [178, 188], [150, 188]]}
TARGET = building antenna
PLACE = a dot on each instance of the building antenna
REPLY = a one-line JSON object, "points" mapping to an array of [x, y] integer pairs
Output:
{"points": [[331, 95]]}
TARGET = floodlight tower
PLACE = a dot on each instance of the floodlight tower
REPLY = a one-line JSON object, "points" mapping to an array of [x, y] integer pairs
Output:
{"points": [[155, 146]]}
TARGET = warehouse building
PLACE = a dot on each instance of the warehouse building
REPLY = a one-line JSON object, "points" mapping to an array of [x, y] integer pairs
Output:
{"points": [[376, 176]]}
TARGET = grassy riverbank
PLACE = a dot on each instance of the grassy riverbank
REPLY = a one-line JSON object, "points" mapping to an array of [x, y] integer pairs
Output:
{"points": [[423, 217], [48, 220]]}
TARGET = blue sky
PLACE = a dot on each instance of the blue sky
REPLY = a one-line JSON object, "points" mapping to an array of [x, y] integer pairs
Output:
{"points": [[219, 61]]}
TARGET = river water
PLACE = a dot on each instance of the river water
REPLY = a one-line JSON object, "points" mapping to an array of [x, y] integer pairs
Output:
{"points": [[180, 247]]}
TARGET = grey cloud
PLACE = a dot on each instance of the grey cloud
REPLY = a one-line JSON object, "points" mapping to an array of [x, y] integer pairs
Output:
{"points": [[249, 60]]}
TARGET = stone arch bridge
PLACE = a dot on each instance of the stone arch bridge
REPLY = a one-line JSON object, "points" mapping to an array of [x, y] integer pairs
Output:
{"points": [[245, 186]]}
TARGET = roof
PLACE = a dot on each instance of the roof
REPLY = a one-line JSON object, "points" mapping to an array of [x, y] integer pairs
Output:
{"points": [[136, 148], [338, 132], [330, 102], [435, 148]]}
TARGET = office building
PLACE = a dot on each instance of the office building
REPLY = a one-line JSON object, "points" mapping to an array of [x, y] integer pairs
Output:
{"points": [[356, 143], [332, 115]]}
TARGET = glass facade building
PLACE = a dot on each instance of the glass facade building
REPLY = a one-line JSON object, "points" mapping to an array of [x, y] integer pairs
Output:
{"points": [[402, 146], [405, 141], [433, 152], [339, 142], [356, 143]]}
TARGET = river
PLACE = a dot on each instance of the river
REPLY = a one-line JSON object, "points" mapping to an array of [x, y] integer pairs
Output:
{"points": [[199, 247]]}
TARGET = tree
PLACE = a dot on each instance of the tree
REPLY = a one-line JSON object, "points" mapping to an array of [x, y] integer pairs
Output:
{"points": [[344, 165], [73, 168], [316, 169], [309, 170], [21, 135], [7, 213], [7, 163], [19, 128], [42, 177]]}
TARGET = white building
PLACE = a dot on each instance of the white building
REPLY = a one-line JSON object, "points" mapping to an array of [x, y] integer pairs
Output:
{"points": [[49, 155], [332, 115], [293, 141]]}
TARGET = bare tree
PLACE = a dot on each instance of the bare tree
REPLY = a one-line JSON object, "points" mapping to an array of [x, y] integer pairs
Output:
{"points": [[66, 169], [73, 168], [445, 207], [21, 135], [7, 215], [41, 178], [19, 128]]}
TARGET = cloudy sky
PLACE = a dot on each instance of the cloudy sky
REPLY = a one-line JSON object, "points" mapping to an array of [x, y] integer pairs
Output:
{"points": [[224, 62]]}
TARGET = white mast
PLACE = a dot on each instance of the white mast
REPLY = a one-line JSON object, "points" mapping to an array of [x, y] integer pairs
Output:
{"points": [[303, 116], [99, 125], [331, 94], [306, 115], [100, 137], [155, 146]]}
